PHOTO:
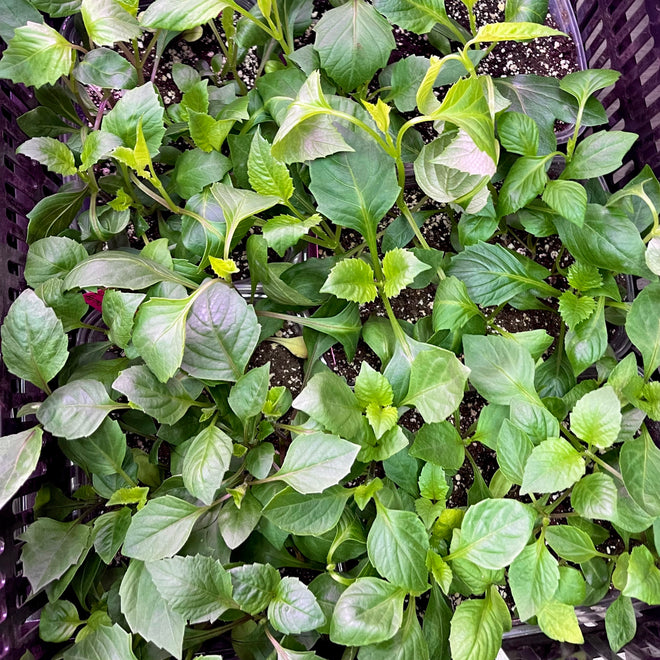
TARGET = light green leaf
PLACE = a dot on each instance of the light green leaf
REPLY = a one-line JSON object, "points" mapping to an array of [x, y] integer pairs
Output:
{"points": [[353, 41], [206, 461], [433, 483], [195, 169], [452, 307], [599, 154], [574, 309], [534, 578], [525, 180], [381, 419], [110, 531], [236, 524], [307, 515], [141, 103], [183, 15], [534, 11], [19, 454], [477, 627], [58, 621], [552, 466], [351, 279], [640, 468], [254, 586], [518, 31], [161, 528], [267, 175], [437, 384], [568, 198], [440, 444], [397, 545], [221, 334], [570, 543], [284, 231], [494, 275], [643, 581], [652, 255], [558, 621], [514, 448], [368, 612], [587, 342], [595, 497], [494, 532], [104, 643], [293, 608], [400, 268], [620, 623], [317, 461], [208, 133], [37, 55], [372, 387], [107, 22], [167, 402], [147, 613], [248, 397], [518, 133], [34, 346], [643, 326], [418, 16], [596, 418], [76, 409], [52, 153], [196, 587], [66, 543]]}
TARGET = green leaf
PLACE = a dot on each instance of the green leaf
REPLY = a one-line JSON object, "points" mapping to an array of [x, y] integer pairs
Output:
{"points": [[284, 231], [107, 22], [433, 483], [568, 198], [397, 545], [107, 69], [327, 399], [514, 448], [355, 189], [196, 169], [372, 387], [595, 496], [534, 578], [574, 309], [477, 627], [268, 176], [141, 103], [452, 307], [317, 461], [196, 587], [52, 257], [147, 613], [552, 466], [643, 326], [599, 154], [37, 55], [184, 15], [236, 524], [221, 334], [161, 528], [437, 384], [572, 587], [307, 132], [110, 531], [640, 468], [66, 542], [501, 369], [570, 543], [518, 133], [558, 621], [494, 275], [608, 239], [17, 13], [293, 608], [494, 532], [167, 402], [206, 461], [587, 342], [533, 11], [34, 346], [19, 454], [582, 84], [118, 314], [102, 452], [351, 279], [104, 643], [52, 153], [58, 621], [643, 580], [353, 41], [368, 612], [54, 214], [439, 444], [254, 586], [519, 31], [596, 418], [248, 396], [121, 270], [76, 409], [524, 181], [381, 419], [400, 268], [306, 515], [208, 133], [620, 623]]}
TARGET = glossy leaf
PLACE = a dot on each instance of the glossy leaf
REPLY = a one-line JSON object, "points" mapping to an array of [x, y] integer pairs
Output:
{"points": [[643, 577], [599, 154], [183, 15], [293, 608], [595, 496], [351, 279], [110, 531], [104, 643], [52, 257], [533, 11], [552, 466], [52, 153], [640, 468], [254, 586], [19, 454], [596, 417], [643, 326], [568, 198], [107, 22], [570, 543], [620, 623], [107, 69]]}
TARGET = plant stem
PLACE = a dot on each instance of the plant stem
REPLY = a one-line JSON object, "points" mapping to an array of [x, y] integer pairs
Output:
{"points": [[599, 461]]}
